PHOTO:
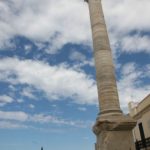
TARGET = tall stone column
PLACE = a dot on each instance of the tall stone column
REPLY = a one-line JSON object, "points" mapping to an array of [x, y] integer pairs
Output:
{"points": [[112, 128], [106, 82]]}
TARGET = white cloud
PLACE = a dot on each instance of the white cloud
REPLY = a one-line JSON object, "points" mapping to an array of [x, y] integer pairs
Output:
{"points": [[16, 115], [4, 99], [123, 18], [124, 22], [79, 65], [31, 106], [56, 82], [80, 60], [8, 117], [77, 56], [59, 82], [12, 88], [41, 118], [27, 48], [45, 21], [131, 86], [60, 23], [11, 125], [82, 108], [136, 44], [20, 100], [28, 92]]}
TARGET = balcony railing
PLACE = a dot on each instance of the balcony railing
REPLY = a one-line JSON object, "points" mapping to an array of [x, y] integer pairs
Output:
{"points": [[143, 144]]}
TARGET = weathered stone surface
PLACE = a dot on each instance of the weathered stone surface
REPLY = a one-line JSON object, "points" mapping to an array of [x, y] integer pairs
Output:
{"points": [[106, 82], [114, 132], [113, 123], [112, 128], [107, 140]]}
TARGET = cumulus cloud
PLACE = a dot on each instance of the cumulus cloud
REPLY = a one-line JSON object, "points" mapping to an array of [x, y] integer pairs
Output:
{"points": [[123, 18], [77, 56], [125, 23], [21, 118], [60, 23], [11, 125], [41, 118], [18, 116], [31, 106], [131, 86], [136, 44], [45, 21], [4, 99], [27, 48], [28, 92], [80, 60], [20, 100], [56, 82]]}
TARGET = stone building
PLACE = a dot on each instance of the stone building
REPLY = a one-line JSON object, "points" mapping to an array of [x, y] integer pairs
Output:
{"points": [[141, 113]]}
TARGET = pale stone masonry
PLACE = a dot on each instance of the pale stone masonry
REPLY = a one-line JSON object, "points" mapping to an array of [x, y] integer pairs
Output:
{"points": [[141, 113], [112, 128], [103, 60]]}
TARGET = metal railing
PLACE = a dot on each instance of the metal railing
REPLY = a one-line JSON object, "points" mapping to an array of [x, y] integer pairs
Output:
{"points": [[143, 144]]}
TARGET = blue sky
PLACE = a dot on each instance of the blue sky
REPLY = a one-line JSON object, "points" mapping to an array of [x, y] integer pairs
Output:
{"points": [[48, 94]]}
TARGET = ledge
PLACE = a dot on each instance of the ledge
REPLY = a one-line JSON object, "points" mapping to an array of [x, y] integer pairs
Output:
{"points": [[114, 123]]}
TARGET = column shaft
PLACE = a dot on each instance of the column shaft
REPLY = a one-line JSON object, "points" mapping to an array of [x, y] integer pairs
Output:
{"points": [[113, 129], [106, 82]]}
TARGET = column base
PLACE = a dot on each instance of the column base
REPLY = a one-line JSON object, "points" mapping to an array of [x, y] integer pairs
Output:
{"points": [[114, 132], [115, 140]]}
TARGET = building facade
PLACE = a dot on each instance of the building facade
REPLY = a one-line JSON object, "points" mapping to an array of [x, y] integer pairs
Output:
{"points": [[141, 113]]}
